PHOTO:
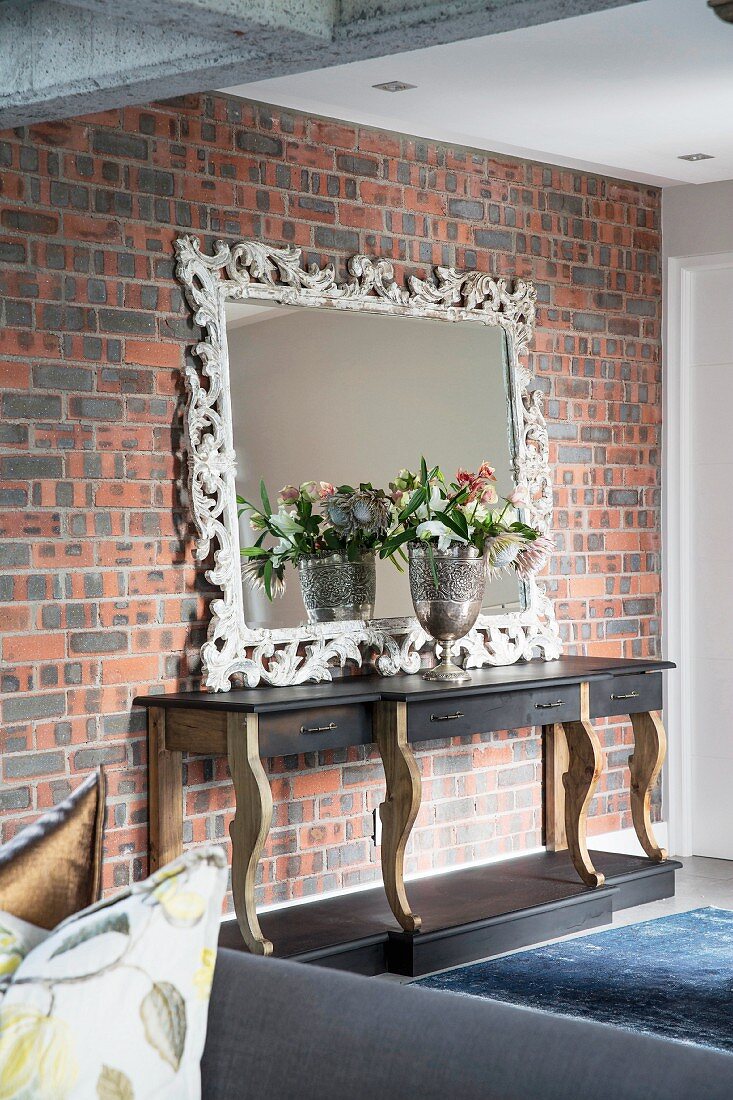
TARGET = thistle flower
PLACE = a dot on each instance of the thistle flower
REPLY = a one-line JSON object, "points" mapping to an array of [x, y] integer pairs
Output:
{"points": [[338, 510], [371, 510], [367, 511], [533, 556], [252, 573], [501, 550]]}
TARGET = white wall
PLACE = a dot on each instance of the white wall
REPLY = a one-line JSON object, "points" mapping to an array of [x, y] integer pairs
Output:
{"points": [[697, 235], [697, 220]]}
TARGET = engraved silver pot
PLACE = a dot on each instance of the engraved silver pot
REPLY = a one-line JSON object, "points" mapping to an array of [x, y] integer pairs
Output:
{"points": [[336, 590], [448, 610]]}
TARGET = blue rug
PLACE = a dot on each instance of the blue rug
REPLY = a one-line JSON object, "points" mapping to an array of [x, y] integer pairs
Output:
{"points": [[671, 977]]}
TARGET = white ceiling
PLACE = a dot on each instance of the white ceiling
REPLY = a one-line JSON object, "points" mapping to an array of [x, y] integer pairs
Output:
{"points": [[625, 92]]}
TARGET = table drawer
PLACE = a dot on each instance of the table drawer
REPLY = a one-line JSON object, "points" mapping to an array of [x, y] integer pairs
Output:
{"points": [[312, 729], [626, 694], [500, 710]]}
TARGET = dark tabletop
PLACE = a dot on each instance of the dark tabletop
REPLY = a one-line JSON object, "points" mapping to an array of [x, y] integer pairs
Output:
{"points": [[370, 689]]}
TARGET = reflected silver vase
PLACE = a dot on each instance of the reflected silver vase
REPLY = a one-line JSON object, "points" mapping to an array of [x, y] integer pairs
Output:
{"points": [[448, 610], [336, 590]]}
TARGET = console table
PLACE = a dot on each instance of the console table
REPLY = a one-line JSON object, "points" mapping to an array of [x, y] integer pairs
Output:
{"points": [[563, 696]]}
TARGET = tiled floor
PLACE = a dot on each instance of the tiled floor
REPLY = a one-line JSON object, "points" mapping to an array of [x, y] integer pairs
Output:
{"points": [[701, 882]]}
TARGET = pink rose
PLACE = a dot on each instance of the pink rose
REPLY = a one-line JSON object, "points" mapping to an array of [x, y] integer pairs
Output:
{"points": [[518, 497], [310, 490], [326, 489], [289, 494], [489, 495]]}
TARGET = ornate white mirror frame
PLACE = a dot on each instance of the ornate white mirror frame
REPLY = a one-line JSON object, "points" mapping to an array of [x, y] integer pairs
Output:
{"points": [[252, 270]]}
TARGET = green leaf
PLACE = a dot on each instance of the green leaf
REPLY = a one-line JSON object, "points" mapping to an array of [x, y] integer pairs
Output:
{"points": [[454, 523], [395, 541], [163, 1013], [265, 499], [113, 1084], [423, 471], [116, 922], [267, 578], [418, 497]]}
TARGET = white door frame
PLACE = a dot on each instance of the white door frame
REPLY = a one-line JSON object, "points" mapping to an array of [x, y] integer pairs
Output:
{"points": [[677, 563]]}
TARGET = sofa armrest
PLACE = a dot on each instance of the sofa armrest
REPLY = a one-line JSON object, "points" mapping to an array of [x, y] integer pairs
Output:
{"points": [[288, 1031]]}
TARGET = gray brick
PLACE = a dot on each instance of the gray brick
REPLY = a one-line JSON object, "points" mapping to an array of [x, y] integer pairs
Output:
{"points": [[28, 406], [29, 221], [494, 238], [13, 498], [19, 467], [566, 204], [114, 144], [343, 240], [466, 209], [620, 498], [96, 408], [588, 276], [17, 799], [13, 435], [640, 606], [98, 641], [12, 253], [250, 142], [127, 321], [357, 166], [99, 756], [514, 777], [589, 322], [575, 454], [14, 553], [62, 378], [454, 762], [153, 182], [34, 706]]}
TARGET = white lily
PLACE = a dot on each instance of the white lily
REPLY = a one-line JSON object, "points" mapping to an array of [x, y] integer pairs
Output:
{"points": [[435, 528], [437, 501], [286, 523]]}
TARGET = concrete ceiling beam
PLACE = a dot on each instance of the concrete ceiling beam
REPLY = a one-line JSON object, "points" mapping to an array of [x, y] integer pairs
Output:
{"points": [[63, 59]]}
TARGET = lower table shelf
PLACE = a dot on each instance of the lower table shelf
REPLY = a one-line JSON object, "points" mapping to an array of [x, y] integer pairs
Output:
{"points": [[469, 914]]}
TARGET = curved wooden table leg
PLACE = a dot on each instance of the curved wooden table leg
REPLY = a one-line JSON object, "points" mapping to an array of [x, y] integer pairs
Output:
{"points": [[399, 810], [251, 823], [650, 749], [580, 780]]}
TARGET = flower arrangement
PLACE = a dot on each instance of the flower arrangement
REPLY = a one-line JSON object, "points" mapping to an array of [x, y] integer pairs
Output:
{"points": [[319, 519], [313, 521], [467, 510]]}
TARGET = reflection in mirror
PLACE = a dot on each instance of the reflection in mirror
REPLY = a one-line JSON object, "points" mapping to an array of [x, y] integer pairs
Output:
{"points": [[344, 397]]}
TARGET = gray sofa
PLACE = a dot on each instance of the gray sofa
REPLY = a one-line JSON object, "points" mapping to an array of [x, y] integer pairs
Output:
{"points": [[289, 1031]]}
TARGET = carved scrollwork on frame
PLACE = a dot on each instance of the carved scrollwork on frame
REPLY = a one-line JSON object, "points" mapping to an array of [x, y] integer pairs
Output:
{"points": [[233, 651]]}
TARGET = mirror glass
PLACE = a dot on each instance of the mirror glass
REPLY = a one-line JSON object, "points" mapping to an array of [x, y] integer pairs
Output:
{"points": [[344, 396]]}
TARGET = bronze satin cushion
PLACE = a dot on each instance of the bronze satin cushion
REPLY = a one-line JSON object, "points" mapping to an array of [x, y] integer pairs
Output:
{"points": [[53, 868]]}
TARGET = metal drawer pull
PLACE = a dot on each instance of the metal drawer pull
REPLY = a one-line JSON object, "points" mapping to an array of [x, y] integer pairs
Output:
{"points": [[319, 729], [548, 706], [446, 717], [628, 695]]}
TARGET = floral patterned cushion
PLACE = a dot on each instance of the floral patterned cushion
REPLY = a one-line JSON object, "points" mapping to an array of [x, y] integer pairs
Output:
{"points": [[113, 1003], [17, 939]]}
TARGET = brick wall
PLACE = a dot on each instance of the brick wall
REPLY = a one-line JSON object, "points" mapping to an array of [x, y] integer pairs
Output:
{"points": [[100, 599]]}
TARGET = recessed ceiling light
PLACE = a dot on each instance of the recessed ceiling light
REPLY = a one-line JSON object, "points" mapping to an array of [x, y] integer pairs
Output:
{"points": [[394, 86], [697, 156]]}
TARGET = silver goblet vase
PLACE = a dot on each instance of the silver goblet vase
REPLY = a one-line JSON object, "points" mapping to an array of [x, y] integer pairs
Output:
{"points": [[447, 610]]}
